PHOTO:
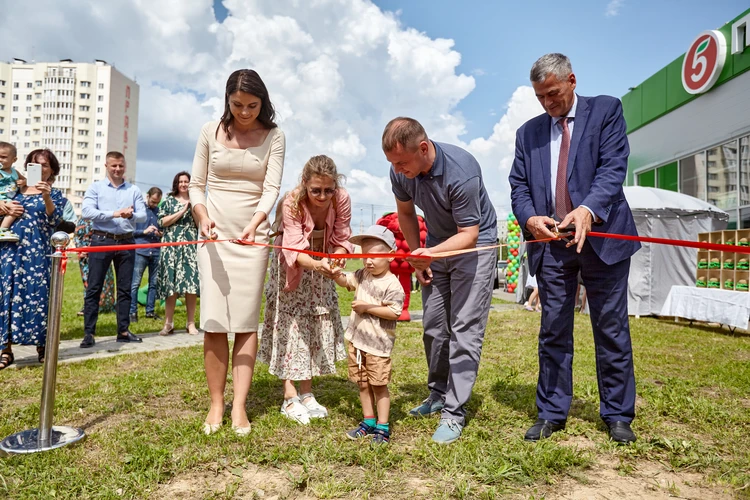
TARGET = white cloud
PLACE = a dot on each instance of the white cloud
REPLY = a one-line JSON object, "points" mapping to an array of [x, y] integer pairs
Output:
{"points": [[337, 72], [613, 8]]}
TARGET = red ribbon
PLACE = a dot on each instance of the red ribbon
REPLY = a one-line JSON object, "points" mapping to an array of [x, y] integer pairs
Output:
{"points": [[401, 255], [678, 243]]}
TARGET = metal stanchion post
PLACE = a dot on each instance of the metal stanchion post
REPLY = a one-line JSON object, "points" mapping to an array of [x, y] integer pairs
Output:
{"points": [[47, 437]]}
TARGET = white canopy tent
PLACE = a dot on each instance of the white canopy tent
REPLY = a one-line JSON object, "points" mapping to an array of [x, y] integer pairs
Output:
{"points": [[655, 268]]}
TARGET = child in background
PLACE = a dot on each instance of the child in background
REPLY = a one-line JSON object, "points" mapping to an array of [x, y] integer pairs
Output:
{"points": [[372, 331], [8, 188]]}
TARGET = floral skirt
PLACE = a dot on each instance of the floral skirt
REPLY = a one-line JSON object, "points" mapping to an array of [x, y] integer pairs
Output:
{"points": [[302, 335]]}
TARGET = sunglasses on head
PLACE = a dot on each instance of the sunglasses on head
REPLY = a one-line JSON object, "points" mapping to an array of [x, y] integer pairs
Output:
{"points": [[318, 191]]}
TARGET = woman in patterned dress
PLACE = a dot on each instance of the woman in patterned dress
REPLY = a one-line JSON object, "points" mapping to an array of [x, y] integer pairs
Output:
{"points": [[302, 334], [177, 273], [82, 238], [25, 265]]}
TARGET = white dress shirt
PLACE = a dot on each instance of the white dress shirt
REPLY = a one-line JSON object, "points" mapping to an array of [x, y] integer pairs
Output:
{"points": [[555, 143]]}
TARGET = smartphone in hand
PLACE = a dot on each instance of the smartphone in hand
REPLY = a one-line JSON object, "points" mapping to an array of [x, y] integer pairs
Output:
{"points": [[33, 174]]}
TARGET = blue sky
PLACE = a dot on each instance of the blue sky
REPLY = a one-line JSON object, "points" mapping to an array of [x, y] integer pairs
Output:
{"points": [[499, 40], [338, 70]]}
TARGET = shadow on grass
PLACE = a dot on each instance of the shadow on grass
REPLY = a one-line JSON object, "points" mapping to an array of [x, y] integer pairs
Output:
{"points": [[705, 327], [522, 398], [331, 391]]}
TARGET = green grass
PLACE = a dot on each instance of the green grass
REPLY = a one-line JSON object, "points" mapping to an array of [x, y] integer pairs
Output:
{"points": [[143, 415]]}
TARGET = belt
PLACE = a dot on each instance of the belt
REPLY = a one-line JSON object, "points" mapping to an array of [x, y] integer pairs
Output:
{"points": [[116, 237]]}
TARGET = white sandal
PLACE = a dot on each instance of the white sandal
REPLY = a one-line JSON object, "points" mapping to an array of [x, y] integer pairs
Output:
{"points": [[292, 408], [315, 409]]}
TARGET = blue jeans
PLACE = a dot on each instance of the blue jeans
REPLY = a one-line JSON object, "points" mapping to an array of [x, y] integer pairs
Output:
{"points": [[141, 262]]}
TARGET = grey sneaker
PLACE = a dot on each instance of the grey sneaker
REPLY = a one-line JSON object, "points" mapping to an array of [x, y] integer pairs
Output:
{"points": [[428, 407], [448, 431]]}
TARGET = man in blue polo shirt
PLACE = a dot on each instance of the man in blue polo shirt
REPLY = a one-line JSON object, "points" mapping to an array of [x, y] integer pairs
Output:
{"points": [[114, 207], [445, 181]]}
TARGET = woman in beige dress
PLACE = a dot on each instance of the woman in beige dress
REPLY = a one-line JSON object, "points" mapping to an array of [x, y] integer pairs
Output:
{"points": [[240, 160]]}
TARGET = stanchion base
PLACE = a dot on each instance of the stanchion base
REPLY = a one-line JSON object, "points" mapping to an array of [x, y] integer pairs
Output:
{"points": [[28, 441]]}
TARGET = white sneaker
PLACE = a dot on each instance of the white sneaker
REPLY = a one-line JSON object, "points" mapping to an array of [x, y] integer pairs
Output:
{"points": [[315, 409], [294, 409], [6, 235]]}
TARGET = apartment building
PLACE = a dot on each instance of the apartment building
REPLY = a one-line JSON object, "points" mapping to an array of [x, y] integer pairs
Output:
{"points": [[78, 110]]}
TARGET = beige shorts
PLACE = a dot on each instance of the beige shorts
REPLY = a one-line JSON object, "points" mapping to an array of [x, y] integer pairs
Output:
{"points": [[375, 370]]}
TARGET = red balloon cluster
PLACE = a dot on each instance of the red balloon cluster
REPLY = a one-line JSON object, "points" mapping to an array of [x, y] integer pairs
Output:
{"points": [[400, 267]]}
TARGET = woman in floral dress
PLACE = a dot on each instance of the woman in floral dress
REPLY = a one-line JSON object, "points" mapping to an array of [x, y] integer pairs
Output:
{"points": [[82, 238], [177, 273], [25, 265], [302, 334]]}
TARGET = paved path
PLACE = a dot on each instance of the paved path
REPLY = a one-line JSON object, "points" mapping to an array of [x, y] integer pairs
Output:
{"points": [[107, 346]]}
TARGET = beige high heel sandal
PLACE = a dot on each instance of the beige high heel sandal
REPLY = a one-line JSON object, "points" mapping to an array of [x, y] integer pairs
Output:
{"points": [[209, 429], [167, 330]]}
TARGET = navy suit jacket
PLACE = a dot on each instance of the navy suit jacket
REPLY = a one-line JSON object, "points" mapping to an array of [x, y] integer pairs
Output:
{"points": [[597, 166]]}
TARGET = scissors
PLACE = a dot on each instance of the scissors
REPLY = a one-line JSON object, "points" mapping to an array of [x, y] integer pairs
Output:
{"points": [[213, 237], [565, 233]]}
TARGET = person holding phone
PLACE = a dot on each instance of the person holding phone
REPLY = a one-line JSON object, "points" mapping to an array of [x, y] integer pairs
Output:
{"points": [[445, 181], [114, 206], [25, 267], [178, 266]]}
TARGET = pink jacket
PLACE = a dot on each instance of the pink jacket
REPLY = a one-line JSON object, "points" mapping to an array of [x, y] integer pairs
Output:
{"points": [[296, 231]]}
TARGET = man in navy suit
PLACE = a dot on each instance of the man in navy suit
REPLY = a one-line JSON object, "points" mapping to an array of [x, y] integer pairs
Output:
{"points": [[569, 168]]}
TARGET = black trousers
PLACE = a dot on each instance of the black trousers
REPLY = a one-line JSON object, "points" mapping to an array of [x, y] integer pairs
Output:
{"points": [[99, 263]]}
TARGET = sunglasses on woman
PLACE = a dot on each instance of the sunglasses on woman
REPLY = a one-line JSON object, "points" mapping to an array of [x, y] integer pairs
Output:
{"points": [[318, 191]]}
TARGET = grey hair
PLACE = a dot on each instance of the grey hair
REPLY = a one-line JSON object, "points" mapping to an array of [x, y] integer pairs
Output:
{"points": [[551, 64]]}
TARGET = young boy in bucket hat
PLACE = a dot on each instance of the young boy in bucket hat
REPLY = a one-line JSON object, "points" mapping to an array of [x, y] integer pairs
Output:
{"points": [[371, 332]]}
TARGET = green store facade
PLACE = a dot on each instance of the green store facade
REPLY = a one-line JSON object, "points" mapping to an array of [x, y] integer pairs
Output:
{"points": [[689, 124]]}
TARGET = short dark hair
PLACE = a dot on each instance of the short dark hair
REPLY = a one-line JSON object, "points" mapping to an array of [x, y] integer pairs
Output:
{"points": [[48, 155], [248, 81], [114, 154], [11, 147], [176, 183], [154, 190], [405, 131]]}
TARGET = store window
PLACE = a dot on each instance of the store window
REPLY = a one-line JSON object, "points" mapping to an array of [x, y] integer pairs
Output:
{"points": [[647, 179], [744, 218], [732, 222], [693, 175], [666, 177], [745, 171], [721, 163]]}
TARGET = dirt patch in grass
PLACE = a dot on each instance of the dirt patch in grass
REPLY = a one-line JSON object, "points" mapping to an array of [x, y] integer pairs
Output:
{"points": [[242, 482], [648, 480]]}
